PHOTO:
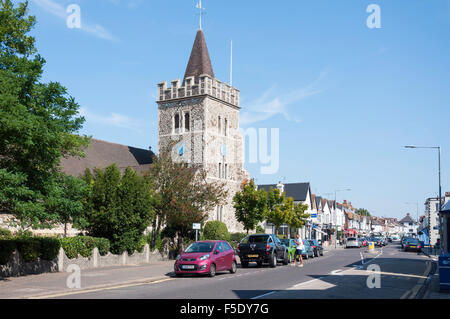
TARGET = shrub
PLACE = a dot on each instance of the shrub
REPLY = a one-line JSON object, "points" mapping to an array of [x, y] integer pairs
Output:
{"points": [[24, 234], [80, 245], [216, 230], [235, 238], [29, 248], [103, 246], [5, 234], [260, 230], [49, 248], [141, 244], [7, 248]]}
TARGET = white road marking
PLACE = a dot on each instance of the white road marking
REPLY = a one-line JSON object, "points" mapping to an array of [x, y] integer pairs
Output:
{"points": [[337, 272], [267, 294]]}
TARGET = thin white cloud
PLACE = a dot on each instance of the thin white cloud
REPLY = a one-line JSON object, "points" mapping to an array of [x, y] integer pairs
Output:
{"points": [[59, 11], [114, 119], [270, 104]]}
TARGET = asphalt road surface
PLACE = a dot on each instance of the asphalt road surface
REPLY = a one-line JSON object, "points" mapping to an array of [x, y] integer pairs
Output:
{"points": [[338, 274]]}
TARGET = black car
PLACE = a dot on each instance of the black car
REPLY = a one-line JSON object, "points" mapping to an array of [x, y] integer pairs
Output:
{"points": [[262, 249], [318, 249], [413, 244]]}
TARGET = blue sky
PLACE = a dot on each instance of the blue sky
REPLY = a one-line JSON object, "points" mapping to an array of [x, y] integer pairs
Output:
{"points": [[346, 98]]}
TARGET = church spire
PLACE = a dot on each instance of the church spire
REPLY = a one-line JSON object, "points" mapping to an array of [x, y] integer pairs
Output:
{"points": [[199, 62]]}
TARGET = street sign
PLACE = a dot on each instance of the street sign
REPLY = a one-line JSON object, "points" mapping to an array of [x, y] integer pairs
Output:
{"points": [[196, 226], [313, 215]]}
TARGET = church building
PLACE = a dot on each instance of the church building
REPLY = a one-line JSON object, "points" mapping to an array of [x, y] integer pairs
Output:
{"points": [[200, 114]]}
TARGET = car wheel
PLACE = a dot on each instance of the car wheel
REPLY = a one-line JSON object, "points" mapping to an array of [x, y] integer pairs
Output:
{"points": [[273, 262], [321, 254], [233, 267], [290, 258], [212, 270], [306, 256], [244, 264], [285, 259]]}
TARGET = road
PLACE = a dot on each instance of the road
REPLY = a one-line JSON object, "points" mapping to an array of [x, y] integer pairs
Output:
{"points": [[338, 274]]}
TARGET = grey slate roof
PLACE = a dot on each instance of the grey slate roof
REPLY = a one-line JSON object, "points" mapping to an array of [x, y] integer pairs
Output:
{"points": [[101, 154], [199, 61], [298, 191], [407, 219]]}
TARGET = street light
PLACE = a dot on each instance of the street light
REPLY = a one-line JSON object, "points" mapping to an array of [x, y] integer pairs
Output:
{"points": [[440, 188], [335, 215]]}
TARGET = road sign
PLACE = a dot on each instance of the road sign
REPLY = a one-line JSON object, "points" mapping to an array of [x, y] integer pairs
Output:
{"points": [[313, 215], [196, 226]]}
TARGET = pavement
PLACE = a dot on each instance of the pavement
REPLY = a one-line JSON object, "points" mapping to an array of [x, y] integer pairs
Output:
{"points": [[340, 273]]}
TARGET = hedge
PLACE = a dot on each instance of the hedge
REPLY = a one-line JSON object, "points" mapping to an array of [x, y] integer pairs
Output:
{"points": [[84, 245], [31, 249], [235, 238], [216, 230], [7, 248]]}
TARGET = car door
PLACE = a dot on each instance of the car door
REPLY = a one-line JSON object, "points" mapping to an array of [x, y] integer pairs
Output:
{"points": [[229, 255], [279, 247], [220, 258]]}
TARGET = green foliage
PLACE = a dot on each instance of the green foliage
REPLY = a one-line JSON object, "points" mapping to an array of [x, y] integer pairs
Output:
{"points": [[250, 205], [298, 218], [5, 234], [280, 209], [103, 246], [38, 121], [49, 248], [117, 207], [260, 230], [80, 245], [363, 212], [235, 238], [216, 230], [29, 248], [183, 196], [24, 234], [7, 248]]}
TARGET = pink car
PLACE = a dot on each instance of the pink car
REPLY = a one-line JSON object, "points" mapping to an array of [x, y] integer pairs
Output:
{"points": [[206, 257]]}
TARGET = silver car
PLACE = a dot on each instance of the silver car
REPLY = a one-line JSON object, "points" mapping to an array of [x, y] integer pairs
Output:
{"points": [[352, 242]]}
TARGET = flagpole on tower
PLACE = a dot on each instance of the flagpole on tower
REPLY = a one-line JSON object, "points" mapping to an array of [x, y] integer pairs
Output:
{"points": [[231, 65], [200, 7]]}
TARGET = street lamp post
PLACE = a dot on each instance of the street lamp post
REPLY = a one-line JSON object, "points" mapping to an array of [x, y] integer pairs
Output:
{"points": [[335, 214], [440, 188]]}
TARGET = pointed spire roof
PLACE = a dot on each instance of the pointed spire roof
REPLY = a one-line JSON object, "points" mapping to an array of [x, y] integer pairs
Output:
{"points": [[199, 62]]}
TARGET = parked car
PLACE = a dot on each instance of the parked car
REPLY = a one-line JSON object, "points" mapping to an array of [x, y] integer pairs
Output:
{"points": [[291, 247], [352, 242], [308, 251], [206, 257], [262, 249], [404, 239], [318, 249], [413, 244]]}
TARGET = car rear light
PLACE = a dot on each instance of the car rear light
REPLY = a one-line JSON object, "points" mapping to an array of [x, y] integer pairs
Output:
{"points": [[314, 246], [238, 246], [418, 246], [267, 247]]}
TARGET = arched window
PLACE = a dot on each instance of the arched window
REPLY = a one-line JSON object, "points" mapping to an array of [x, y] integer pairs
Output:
{"points": [[187, 122]]}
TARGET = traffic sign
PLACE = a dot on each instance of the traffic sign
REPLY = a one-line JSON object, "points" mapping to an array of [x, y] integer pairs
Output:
{"points": [[196, 226]]}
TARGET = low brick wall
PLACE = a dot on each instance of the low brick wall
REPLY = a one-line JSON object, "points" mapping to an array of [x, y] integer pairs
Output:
{"points": [[18, 267]]}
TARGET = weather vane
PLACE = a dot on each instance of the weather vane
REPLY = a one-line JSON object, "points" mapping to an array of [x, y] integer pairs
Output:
{"points": [[200, 7]]}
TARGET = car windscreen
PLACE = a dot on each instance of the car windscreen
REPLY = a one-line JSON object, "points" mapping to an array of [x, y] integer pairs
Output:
{"points": [[412, 241], [200, 248], [351, 239], [255, 240]]}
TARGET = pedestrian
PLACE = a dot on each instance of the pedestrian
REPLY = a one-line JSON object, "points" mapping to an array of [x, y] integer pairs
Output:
{"points": [[300, 246]]}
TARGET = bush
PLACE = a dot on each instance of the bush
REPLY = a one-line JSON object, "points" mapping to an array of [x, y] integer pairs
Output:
{"points": [[49, 248], [7, 248], [260, 230], [141, 244], [216, 230], [24, 234], [235, 238], [80, 245], [5, 234], [103, 246], [29, 248]]}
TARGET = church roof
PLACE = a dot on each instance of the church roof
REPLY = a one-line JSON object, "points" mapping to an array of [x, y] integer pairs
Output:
{"points": [[199, 62], [101, 154], [407, 219]]}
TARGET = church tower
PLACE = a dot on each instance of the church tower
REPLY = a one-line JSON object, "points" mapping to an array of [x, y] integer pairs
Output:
{"points": [[201, 114]]}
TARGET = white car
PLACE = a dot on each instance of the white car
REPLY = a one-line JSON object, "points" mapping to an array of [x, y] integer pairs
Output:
{"points": [[352, 242]]}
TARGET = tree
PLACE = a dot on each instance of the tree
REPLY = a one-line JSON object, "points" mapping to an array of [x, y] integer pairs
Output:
{"points": [[299, 217], [38, 121], [363, 212], [216, 230], [250, 205], [66, 199], [280, 209], [118, 208], [184, 196]]}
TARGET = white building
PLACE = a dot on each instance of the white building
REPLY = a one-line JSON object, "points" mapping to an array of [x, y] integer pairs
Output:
{"points": [[409, 225]]}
